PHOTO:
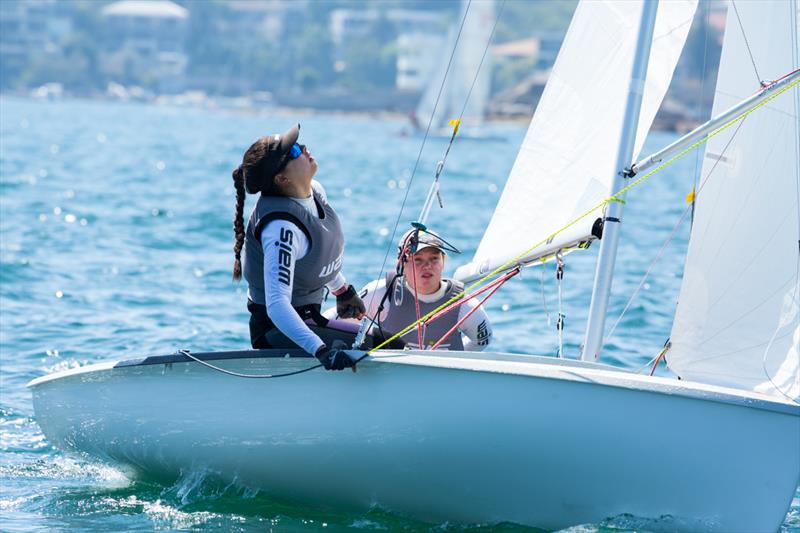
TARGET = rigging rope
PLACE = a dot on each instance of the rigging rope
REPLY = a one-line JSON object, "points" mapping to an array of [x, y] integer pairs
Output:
{"points": [[458, 324], [700, 107], [422, 146], [416, 301], [747, 44], [602, 204], [544, 299], [660, 356], [455, 123], [486, 49], [561, 315], [461, 301], [239, 375]]}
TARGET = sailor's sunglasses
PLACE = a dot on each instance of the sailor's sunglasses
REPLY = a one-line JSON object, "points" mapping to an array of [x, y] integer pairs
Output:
{"points": [[295, 151]]}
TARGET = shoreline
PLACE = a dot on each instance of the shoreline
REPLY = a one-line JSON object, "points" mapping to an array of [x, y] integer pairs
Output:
{"points": [[243, 105]]}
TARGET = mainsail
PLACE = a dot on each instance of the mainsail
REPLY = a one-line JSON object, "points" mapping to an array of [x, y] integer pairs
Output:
{"points": [[465, 69], [738, 317], [566, 162]]}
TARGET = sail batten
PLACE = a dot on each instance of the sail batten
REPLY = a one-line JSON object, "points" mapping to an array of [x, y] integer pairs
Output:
{"points": [[565, 164], [738, 313]]}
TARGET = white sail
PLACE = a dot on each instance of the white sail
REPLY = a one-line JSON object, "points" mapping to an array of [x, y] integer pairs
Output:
{"points": [[566, 162], [474, 41], [435, 98], [465, 69], [737, 318]]}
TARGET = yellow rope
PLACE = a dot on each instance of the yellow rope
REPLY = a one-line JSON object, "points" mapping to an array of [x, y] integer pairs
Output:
{"points": [[612, 198]]}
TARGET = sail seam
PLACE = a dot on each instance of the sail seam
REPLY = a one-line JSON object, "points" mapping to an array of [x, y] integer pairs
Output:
{"points": [[748, 313], [755, 183], [740, 350], [698, 189], [714, 167]]}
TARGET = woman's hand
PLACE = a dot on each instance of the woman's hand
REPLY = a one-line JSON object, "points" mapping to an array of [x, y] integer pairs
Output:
{"points": [[349, 304], [335, 358]]}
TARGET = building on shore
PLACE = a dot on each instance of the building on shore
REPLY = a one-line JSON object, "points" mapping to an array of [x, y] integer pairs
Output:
{"points": [[31, 32], [144, 44], [417, 35], [417, 59]]}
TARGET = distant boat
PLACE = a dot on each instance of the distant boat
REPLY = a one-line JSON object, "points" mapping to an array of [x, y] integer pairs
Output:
{"points": [[48, 91], [542, 441], [463, 84]]}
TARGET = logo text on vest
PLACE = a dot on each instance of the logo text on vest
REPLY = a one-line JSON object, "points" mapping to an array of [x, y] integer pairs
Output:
{"points": [[332, 267], [483, 334], [285, 256]]}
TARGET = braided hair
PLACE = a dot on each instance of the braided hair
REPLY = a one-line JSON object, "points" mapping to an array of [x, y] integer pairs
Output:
{"points": [[250, 177], [238, 222]]}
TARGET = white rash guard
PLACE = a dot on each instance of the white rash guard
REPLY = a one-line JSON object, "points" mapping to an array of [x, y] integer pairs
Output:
{"points": [[278, 294], [477, 329]]}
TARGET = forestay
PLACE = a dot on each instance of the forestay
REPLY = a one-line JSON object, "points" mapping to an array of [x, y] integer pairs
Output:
{"points": [[738, 318], [566, 162]]}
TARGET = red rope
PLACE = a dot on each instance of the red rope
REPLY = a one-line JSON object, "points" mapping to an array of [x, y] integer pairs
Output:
{"points": [[461, 301], [416, 301], [497, 284], [658, 360], [765, 86]]}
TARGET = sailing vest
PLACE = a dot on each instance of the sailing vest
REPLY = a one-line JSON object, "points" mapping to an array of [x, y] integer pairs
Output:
{"points": [[320, 264], [401, 312]]}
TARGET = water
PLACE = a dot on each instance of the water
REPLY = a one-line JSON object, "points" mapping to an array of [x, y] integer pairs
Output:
{"points": [[116, 243]]}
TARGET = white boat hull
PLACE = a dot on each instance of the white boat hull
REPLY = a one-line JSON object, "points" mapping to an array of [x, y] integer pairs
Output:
{"points": [[471, 438]]}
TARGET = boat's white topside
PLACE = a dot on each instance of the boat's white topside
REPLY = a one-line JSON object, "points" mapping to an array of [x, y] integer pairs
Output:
{"points": [[85, 369], [523, 365]]}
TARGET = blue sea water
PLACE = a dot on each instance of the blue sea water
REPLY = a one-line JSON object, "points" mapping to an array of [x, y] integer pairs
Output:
{"points": [[116, 242]]}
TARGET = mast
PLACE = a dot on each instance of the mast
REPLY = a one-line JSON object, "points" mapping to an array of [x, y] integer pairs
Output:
{"points": [[593, 342]]}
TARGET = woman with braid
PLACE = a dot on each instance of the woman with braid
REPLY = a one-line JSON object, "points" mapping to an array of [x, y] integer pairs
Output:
{"points": [[293, 247]]}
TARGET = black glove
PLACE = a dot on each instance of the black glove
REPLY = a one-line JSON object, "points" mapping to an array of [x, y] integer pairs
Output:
{"points": [[349, 305], [335, 358]]}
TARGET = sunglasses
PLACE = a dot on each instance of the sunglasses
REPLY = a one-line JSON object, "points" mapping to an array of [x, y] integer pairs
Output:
{"points": [[294, 152]]}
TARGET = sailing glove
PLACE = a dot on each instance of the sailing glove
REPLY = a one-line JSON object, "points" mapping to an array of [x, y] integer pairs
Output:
{"points": [[335, 358], [349, 305]]}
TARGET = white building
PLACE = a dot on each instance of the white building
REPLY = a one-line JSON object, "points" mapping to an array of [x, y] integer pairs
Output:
{"points": [[30, 30], [418, 56], [419, 37], [145, 41]]}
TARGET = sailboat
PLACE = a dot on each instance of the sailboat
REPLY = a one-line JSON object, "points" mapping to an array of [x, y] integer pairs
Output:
{"points": [[461, 84], [536, 440]]}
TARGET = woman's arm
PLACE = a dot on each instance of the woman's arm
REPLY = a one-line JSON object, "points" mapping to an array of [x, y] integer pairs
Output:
{"points": [[283, 244], [476, 328]]}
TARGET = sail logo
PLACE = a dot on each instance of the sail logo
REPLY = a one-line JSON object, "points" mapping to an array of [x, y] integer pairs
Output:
{"points": [[285, 256], [332, 267]]}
